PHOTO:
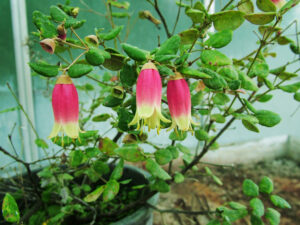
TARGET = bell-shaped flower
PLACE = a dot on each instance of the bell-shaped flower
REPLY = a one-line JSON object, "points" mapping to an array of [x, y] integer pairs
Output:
{"points": [[179, 101], [65, 108], [48, 45], [148, 99]]}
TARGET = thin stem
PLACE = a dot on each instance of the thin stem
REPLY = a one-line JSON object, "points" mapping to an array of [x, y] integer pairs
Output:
{"points": [[209, 5], [177, 17], [82, 42], [99, 81], [70, 44], [228, 4], [23, 110], [75, 60], [155, 5]]}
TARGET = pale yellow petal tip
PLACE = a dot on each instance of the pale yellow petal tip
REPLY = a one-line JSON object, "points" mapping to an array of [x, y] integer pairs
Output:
{"points": [[72, 130]]}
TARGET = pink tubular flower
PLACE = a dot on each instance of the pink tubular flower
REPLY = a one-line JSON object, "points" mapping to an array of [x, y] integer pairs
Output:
{"points": [[179, 101], [148, 98], [279, 3], [65, 108]]}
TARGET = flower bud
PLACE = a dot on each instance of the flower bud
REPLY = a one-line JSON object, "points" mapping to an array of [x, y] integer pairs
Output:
{"points": [[62, 33], [48, 45], [92, 39], [279, 3]]}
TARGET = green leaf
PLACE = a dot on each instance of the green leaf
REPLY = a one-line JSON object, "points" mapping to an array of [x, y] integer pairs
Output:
{"points": [[246, 6], [10, 209], [283, 40], [107, 146], [79, 70], [93, 196], [183, 149], [259, 69], [111, 101], [197, 98], [164, 70], [266, 185], [128, 75], [193, 73], [267, 118], [229, 73], [249, 105], [219, 118], [201, 135], [134, 52], [294, 48], [236, 205], [291, 88], [111, 34], [219, 39], [215, 82], [178, 136], [250, 118], [45, 26], [217, 180], [76, 158], [215, 58], [260, 18], [92, 152], [234, 84], [164, 58], [178, 178], [124, 118], [264, 98], [131, 153], [57, 14], [214, 222], [196, 15], [163, 156], [41, 143], [280, 202], [44, 69], [232, 215], [74, 23], [169, 47], [257, 206], [221, 99], [120, 5], [120, 14], [250, 188], [297, 96], [101, 167], [101, 117], [156, 170], [111, 190], [174, 151], [250, 126], [227, 20], [118, 171], [273, 216], [96, 56], [189, 36], [266, 5], [255, 220], [161, 186], [115, 62], [247, 82]]}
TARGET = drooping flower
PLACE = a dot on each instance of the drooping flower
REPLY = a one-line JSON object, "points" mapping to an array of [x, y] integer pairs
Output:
{"points": [[48, 45], [148, 98], [279, 3], [62, 33], [65, 108], [179, 101]]}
